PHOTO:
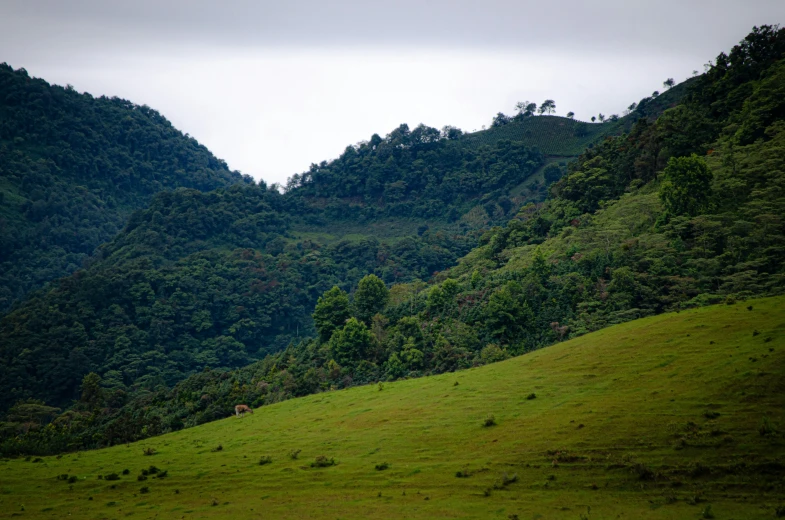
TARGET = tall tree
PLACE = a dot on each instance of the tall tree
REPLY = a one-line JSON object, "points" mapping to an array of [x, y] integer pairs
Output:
{"points": [[548, 107], [351, 343], [331, 312], [686, 185], [370, 298], [500, 119], [92, 393], [668, 83], [525, 108]]}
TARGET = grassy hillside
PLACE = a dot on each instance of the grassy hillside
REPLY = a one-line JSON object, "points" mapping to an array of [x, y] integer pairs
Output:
{"points": [[553, 135], [557, 136], [673, 416]]}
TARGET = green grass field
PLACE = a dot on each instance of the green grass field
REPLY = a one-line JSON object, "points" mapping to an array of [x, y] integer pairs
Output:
{"points": [[675, 416]]}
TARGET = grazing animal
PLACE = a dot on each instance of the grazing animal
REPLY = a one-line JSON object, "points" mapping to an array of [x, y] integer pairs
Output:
{"points": [[241, 409]]}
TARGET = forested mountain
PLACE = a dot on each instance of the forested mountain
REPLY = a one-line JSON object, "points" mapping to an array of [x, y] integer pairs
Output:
{"points": [[196, 280], [73, 168], [422, 173], [682, 210]]}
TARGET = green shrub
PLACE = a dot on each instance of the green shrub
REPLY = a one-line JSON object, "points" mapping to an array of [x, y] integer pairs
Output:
{"points": [[265, 459], [141, 477], [162, 474], [72, 479], [294, 454], [112, 476], [489, 421], [149, 451], [531, 396], [505, 480], [218, 448], [381, 467], [144, 490], [322, 462], [126, 471]]}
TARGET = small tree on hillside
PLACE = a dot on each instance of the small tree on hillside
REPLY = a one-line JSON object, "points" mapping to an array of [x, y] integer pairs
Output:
{"points": [[593, 119], [548, 107], [668, 83], [525, 108], [686, 185], [370, 298], [331, 312], [352, 343], [571, 115], [601, 117], [92, 393], [500, 120]]}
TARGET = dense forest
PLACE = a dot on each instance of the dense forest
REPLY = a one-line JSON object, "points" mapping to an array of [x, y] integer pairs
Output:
{"points": [[197, 280], [683, 210], [73, 168], [422, 173]]}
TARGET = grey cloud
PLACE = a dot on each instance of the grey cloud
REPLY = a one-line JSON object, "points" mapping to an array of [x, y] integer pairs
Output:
{"points": [[697, 26]]}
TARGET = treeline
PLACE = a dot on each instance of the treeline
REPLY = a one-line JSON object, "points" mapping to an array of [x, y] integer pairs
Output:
{"points": [[73, 168]]}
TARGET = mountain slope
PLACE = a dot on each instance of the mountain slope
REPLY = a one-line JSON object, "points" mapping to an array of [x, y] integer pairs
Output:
{"points": [[196, 280], [73, 168], [673, 416], [557, 136]]}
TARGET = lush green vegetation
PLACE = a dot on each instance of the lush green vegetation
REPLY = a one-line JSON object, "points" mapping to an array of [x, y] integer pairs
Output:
{"points": [[197, 280], [73, 168], [421, 173], [223, 278], [673, 416], [679, 212]]}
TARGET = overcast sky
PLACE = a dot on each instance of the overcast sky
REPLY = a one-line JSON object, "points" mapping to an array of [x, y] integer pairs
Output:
{"points": [[272, 86]]}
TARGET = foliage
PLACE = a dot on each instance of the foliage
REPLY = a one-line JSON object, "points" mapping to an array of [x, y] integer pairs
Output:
{"points": [[370, 298], [351, 343], [73, 168], [418, 173], [196, 280], [686, 185], [331, 312]]}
